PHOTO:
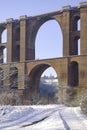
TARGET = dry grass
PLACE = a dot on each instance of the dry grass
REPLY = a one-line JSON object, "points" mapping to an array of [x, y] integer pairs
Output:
{"points": [[9, 98]]}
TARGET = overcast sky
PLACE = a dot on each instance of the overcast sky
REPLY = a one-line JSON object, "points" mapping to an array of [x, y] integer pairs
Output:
{"points": [[48, 42]]}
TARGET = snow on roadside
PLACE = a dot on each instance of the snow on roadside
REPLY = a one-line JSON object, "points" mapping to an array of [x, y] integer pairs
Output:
{"points": [[45, 117], [79, 113]]}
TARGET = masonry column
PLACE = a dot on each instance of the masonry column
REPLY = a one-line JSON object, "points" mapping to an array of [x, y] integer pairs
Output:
{"points": [[23, 38], [9, 39], [66, 29], [83, 32]]}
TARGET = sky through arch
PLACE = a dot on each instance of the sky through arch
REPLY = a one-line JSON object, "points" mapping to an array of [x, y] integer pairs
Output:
{"points": [[49, 72], [48, 42]]}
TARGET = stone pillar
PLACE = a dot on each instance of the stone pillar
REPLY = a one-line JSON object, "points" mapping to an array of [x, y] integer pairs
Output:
{"points": [[9, 39], [21, 75], [23, 38], [66, 29], [83, 32], [20, 94]]}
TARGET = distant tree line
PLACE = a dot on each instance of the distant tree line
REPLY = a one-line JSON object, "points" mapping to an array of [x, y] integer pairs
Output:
{"points": [[48, 89]]}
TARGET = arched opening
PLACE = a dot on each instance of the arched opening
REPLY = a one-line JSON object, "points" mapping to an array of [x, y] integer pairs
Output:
{"points": [[76, 24], [17, 34], [1, 78], [17, 52], [76, 46], [48, 87], [79, 50], [73, 74], [4, 36], [16, 45], [13, 78], [42, 89], [1, 54], [48, 42], [5, 55]]}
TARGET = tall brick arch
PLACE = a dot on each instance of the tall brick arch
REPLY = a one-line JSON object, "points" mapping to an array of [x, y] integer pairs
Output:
{"points": [[36, 26]]}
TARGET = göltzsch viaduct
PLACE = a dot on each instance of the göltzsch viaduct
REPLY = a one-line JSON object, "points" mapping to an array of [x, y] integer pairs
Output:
{"points": [[23, 72]]}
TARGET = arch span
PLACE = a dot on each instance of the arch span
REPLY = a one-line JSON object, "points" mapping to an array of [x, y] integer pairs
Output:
{"points": [[35, 74], [34, 31], [4, 36], [59, 65], [38, 24], [34, 79], [74, 74]]}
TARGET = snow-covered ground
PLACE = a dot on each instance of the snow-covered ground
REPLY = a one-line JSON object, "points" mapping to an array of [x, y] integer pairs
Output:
{"points": [[42, 117]]}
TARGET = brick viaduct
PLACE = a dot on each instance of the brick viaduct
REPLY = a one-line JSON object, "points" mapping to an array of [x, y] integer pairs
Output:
{"points": [[23, 72]]}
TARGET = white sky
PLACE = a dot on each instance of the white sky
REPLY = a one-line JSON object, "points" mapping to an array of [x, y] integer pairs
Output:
{"points": [[49, 38]]}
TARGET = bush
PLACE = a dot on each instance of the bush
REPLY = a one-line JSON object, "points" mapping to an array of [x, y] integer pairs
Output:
{"points": [[83, 104], [9, 98]]}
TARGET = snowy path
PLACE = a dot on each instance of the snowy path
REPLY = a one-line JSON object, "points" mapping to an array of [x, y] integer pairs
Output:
{"points": [[71, 120], [47, 117]]}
